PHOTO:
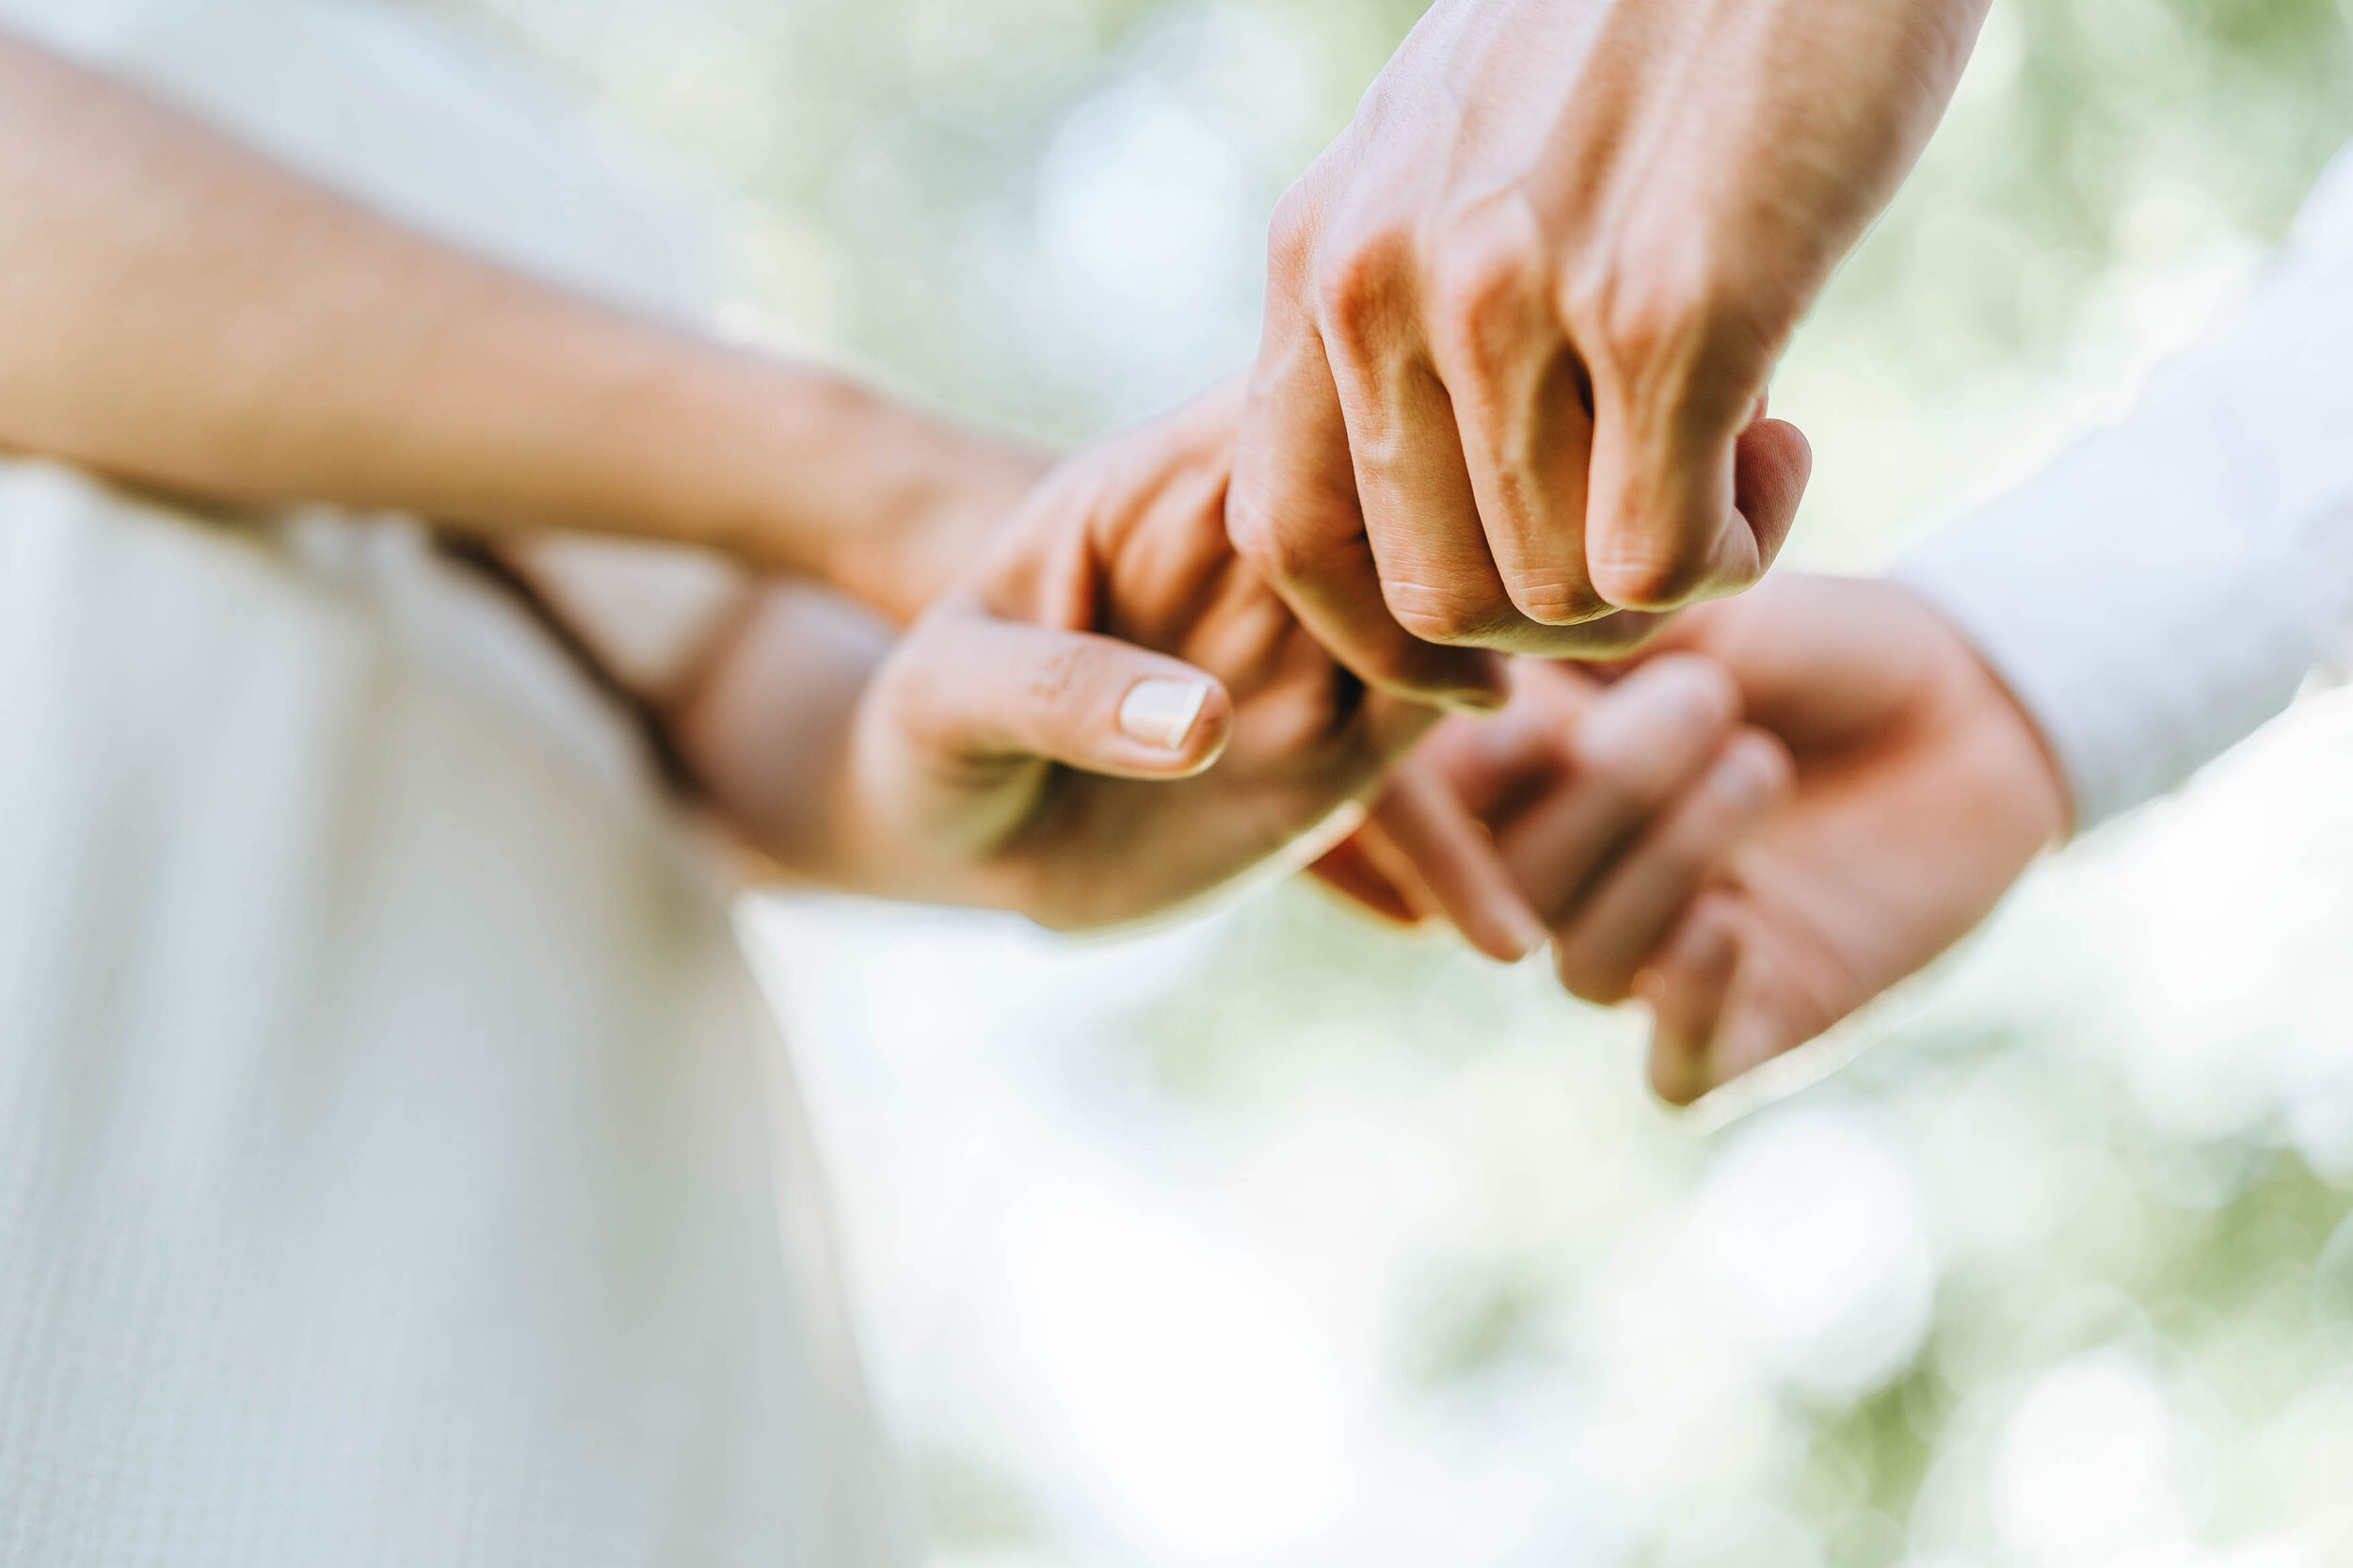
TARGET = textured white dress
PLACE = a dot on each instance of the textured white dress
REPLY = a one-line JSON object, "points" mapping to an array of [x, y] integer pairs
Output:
{"points": [[394, 1166]]}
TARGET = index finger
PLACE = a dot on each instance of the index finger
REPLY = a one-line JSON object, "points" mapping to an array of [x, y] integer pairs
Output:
{"points": [[1292, 512]]}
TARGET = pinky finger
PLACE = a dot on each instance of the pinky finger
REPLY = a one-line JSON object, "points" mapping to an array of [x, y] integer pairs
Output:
{"points": [[1457, 861], [1687, 990]]}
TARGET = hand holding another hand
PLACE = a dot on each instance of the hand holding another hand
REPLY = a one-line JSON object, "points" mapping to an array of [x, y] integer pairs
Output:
{"points": [[1113, 714], [1753, 882], [1520, 317]]}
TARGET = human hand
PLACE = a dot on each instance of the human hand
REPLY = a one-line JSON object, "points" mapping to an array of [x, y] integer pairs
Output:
{"points": [[1116, 714], [1554, 820], [1920, 791], [1521, 315]]}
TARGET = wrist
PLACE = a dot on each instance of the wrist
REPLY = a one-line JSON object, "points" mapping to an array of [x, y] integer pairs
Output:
{"points": [[778, 466], [2022, 781], [805, 472]]}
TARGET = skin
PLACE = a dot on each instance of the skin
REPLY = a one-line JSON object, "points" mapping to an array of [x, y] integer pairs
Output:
{"points": [[194, 319], [191, 318], [981, 759], [1912, 790], [1521, 316]]}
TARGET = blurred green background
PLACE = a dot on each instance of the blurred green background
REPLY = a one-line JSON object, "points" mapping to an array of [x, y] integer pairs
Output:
{"points": [[1275, 1238]]}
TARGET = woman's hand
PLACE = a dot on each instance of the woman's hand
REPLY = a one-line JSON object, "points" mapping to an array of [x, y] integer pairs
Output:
{"points": [[1115, 715]]}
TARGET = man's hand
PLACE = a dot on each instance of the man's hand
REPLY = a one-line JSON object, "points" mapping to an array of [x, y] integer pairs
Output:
{"points": [[1521, 315], [1115, 715], [1585, 814], [1922, 790], [1752, 902]]}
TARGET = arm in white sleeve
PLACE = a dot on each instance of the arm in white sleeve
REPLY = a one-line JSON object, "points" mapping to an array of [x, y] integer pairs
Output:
{"points": [[2165, 587]]}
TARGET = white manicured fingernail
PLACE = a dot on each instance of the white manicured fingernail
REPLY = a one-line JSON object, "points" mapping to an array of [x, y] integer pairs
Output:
{"points": [[1161, 712]]}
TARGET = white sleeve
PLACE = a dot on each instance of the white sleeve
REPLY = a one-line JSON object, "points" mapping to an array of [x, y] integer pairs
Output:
{"points": [[2165, 587]]}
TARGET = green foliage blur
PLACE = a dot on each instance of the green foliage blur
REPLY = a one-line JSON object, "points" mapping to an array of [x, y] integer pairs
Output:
{"points": [[2055, 1272]]}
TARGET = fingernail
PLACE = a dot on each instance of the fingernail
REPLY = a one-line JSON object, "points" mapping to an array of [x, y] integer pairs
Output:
{"points": [[1161, 713]]}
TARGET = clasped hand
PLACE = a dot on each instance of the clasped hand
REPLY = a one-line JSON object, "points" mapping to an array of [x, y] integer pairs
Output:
{"points": [[1796, 799], [1511, 400]]}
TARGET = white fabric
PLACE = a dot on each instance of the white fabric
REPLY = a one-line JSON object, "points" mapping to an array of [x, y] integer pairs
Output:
{"points": [[390, 1169], [2165, 588]]}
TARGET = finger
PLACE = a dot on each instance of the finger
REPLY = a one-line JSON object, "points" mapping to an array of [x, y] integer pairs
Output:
{"points": [[1517, 396], [1643, 741], [1430, 545], [1498, 764], [978, 691], [1413, 489], [1354, 870], [1772, 463], [1710, 1026], [1779, 998], [1686, 991], [1292, 513], [1458, 863], [1642, 898], [1661, 526]]}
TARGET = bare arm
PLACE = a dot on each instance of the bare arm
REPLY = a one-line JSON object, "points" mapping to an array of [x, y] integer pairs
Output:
{"points": [[178, 311]]}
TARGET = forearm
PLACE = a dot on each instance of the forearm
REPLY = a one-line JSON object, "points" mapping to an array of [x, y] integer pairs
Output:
{"points": [[186, 315]]}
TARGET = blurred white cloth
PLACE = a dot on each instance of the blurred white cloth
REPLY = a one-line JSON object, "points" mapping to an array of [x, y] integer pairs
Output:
{"points": [[2167, 586], [394, 1164]]}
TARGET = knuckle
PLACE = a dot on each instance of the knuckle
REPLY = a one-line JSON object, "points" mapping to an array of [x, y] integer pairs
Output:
{"points": [[1054, 676], [1250, 522], [1655, 316], [1648, 333], [1653, 580], [1438, 616], [1362, 288], [1486, 277], [1282, 553]]}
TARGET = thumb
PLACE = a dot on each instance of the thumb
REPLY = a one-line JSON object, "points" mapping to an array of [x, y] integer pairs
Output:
{"points": [[1661, 527], [977, 691], [1772, 463]]}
